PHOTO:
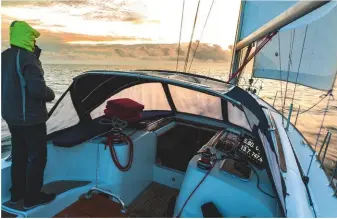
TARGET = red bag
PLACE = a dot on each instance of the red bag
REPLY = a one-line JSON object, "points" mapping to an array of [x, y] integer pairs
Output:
{"points": [[124, 104], [125, 109]]}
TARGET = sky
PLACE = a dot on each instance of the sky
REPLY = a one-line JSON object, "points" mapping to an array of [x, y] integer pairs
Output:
{"points": [[96, 24]]}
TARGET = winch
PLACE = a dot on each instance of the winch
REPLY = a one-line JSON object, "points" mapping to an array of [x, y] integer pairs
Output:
{"points": [[206, 162]]}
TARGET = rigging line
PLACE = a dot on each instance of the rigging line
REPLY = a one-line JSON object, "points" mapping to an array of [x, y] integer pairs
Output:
{"points": [[181, 27], [279, 57], [320, 128], [202, 32], [289, 64], [325, 95], [243, 60], [299, 65], [251, 75], [192, 34], [250, 57], [313, 118]]}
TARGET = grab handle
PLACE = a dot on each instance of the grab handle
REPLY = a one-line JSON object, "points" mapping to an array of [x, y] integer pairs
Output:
{"points": [[96, 189]]}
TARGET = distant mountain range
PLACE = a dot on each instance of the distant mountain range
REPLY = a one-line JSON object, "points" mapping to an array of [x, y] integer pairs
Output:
{"points": [[205, 52], [99, 53], [115, 52]]}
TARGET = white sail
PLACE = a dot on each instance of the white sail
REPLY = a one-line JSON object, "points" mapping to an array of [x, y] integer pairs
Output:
{"points": [[316, 67], [258, 13]]}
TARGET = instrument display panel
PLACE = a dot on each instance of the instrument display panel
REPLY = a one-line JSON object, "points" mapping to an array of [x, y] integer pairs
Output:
{"points": [[251, 149], [242, 144]]}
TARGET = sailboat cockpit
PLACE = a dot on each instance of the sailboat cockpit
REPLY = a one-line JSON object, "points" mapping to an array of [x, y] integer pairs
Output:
{"points": [[159, 143]]}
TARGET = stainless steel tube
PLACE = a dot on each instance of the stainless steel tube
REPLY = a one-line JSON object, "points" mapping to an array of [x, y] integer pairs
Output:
{"points": [[96, 189]]}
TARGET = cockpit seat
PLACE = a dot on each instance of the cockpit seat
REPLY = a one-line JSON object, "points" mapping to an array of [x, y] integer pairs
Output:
{"points": [[79, 133], [87, 130]]}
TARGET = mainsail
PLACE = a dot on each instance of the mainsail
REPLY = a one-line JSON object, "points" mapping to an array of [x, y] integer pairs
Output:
{"points": [[303, 52]]}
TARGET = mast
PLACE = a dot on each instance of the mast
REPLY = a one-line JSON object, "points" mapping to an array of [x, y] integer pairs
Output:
{"points": [[236, 54]]}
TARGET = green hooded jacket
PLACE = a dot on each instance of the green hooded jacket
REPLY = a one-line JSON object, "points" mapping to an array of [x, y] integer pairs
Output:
{"points": [[24, 92], [23, 35]]}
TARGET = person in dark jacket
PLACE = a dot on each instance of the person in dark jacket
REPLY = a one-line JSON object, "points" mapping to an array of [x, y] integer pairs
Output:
{"points": [[23, 106]]}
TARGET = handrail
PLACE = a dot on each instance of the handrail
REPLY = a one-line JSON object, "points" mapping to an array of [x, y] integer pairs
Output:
{"points": [[293, 13], [99, 190], [334, 169], [272, 124], [282, 159], [279, 146]]}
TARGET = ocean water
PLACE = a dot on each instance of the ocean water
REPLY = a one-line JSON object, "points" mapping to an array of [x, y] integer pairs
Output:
{"points": [[59, 77]]}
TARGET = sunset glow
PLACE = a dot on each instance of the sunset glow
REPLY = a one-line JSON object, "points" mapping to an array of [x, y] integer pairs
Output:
{"points": [[128, 22], [158, 20]]}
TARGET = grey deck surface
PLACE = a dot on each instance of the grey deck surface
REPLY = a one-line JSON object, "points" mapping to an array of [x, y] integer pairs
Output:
{"points": [[153, 202], [57, 187]]}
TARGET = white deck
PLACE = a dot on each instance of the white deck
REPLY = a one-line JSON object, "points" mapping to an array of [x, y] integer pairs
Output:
{"points": [[324, 203]]}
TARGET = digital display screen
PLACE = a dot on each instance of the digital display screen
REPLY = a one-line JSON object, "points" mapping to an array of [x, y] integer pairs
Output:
{"points": [[242, 144], [249, 148]]}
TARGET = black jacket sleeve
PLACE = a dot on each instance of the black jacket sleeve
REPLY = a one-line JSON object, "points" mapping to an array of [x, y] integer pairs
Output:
{"points": [[35, 82], [50, 95]]}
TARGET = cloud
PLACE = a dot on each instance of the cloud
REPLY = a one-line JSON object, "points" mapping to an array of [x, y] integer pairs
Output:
{"points": [[55, 41], [56, 46], [9, 3], [66, 41], [111, 10], [101, 17]]}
